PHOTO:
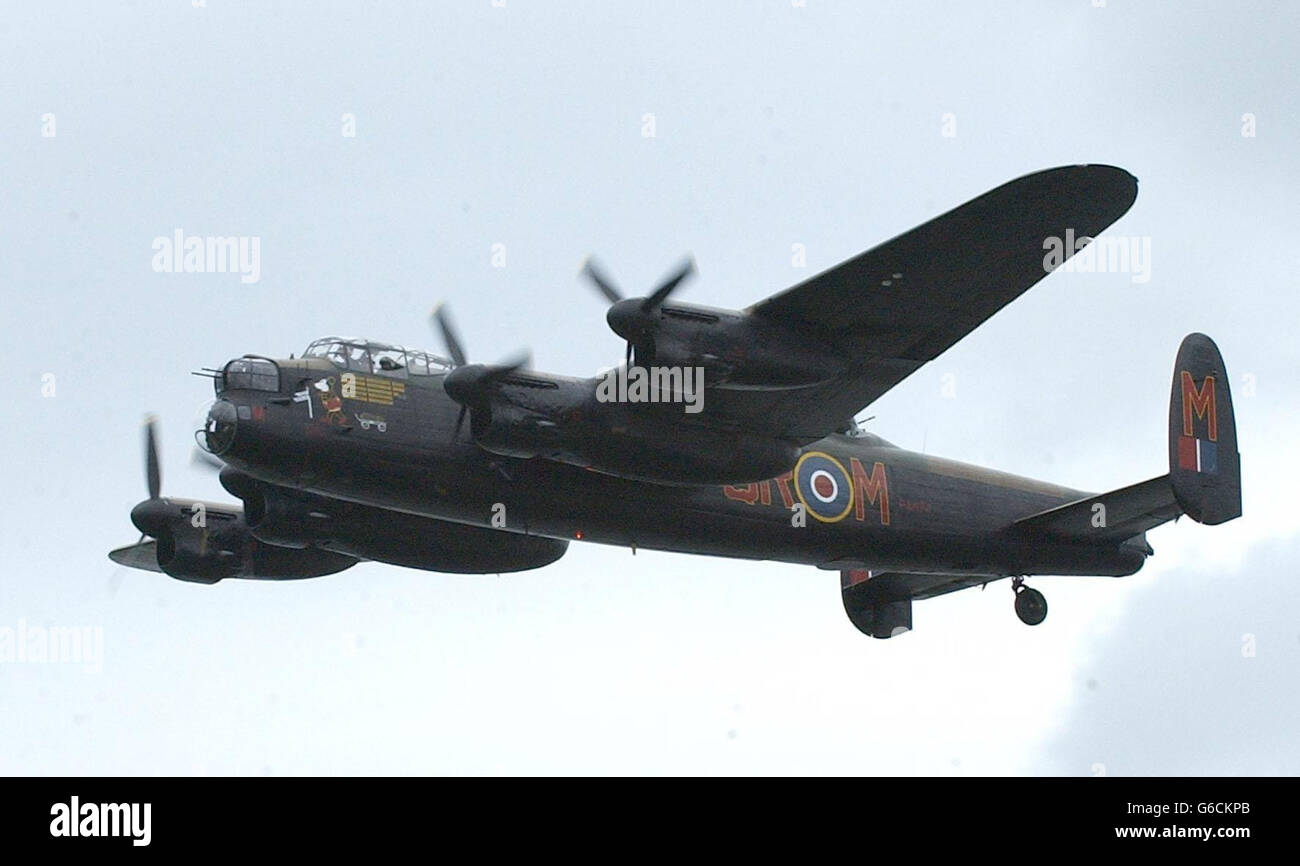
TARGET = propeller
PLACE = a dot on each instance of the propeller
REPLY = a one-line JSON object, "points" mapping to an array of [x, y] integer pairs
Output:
{"points": [[634, 319], [442, 321], [668, 286], [471, 385], [145, 515], [603, 284], [153, 474]]}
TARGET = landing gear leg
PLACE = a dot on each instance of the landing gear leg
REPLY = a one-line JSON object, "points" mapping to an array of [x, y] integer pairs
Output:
{"points": [[1031, 607]]}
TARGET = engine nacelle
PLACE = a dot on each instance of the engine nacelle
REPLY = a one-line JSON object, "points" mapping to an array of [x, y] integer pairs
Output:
{"points": [[207, 556], [733, 347], [513, 432], [187, 555], [283, 519]]}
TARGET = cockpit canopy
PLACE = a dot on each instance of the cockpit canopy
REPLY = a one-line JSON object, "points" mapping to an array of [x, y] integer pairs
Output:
{"points": [[378, 359]]}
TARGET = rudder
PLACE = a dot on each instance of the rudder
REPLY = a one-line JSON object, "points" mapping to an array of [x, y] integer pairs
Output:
{"points": [[1204, 465]]}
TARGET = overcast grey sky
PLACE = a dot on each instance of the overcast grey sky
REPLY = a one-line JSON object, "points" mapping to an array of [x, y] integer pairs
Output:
{"points": [[775, 124]]}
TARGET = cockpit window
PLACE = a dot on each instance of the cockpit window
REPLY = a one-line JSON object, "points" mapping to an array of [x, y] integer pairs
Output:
{"points": [[388, 361], [358, 359], [379, 359], [253, 374], [338, 354], [427, 364]]}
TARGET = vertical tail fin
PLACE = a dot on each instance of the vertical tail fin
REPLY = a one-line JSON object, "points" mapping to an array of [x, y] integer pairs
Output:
{"points": [[1204, 466]]}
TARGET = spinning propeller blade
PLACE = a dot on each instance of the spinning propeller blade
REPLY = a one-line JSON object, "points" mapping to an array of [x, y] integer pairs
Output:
{"points": [[602, 282], [668, 286], [633, 318], [152, 472], [471, 385], [442, 321]]}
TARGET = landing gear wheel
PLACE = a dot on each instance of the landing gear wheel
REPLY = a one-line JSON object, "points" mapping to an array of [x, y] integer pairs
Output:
{"points": [[1031, 607]]}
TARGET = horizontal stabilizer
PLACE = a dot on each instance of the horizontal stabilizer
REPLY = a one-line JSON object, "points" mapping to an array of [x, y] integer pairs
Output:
{"points": [[879, 603], [1116, 516]]}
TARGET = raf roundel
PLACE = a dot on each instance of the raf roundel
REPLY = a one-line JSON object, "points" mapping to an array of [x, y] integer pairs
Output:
{"points": [[824, 488]]}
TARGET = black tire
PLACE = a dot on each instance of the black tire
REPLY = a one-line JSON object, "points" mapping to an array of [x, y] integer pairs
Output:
{"points": [[1031, 606]]}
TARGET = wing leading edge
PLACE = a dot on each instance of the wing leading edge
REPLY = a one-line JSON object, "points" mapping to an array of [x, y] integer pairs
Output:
{"points": [[904, 302]]}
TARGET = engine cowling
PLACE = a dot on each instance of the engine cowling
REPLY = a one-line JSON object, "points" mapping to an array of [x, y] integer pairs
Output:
{"points": [[187, 556], [513, 432], [742, 351], [284, 521], [203, 555]]}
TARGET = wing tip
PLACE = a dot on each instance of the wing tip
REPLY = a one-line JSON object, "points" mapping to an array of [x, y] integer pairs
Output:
{"points": [[1102, 181]]}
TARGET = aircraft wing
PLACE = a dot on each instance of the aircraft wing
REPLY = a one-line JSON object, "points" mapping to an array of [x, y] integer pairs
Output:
{"points": [[893, 308]]}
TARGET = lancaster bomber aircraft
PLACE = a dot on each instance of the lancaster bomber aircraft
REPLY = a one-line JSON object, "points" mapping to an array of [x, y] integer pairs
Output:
{"points": [[360, 450]]}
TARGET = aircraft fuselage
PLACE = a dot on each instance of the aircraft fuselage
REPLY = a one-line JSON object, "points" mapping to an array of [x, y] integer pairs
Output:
{"points": [[846, 502]]}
